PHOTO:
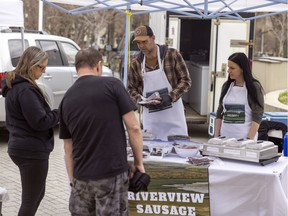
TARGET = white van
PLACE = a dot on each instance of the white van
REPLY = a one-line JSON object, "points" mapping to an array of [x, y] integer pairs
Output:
{"points": [[60, 73]]}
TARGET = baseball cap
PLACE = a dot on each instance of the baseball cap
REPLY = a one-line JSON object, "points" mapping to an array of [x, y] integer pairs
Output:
{"points": [[142, 33]]}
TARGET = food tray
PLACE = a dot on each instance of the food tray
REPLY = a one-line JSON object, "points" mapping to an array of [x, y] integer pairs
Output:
{"points": [[263, 156]]}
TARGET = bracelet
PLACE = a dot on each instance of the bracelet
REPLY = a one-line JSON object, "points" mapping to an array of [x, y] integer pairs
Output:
{"points": [[71, 184]]}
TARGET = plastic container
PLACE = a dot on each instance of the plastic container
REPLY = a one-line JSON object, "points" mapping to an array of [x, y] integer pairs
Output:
{"points": [[186, 148], [277, 116], [285, 145]]}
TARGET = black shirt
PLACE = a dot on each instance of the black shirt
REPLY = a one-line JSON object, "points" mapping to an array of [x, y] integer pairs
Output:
{"points": [[91, 114]]}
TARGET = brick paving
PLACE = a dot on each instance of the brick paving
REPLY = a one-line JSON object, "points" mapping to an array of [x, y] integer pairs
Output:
{"points": [[55, 201]]}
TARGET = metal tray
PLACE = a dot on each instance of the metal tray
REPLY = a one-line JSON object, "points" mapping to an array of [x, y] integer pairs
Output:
{"points": [[263, 156]]}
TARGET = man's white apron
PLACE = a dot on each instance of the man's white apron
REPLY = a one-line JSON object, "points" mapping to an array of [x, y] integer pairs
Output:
{"points": [[170, 121], [237, 117]]}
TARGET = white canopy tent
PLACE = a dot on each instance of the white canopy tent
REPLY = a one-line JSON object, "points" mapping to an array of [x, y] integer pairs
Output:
{"points": [[202, 9], [205, 9], [11, 15]]}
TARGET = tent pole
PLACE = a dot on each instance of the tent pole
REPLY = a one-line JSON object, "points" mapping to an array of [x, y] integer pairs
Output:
{"points": [[217, 23], [22, 38], [40, 17], [127, 41], [22, 32]]}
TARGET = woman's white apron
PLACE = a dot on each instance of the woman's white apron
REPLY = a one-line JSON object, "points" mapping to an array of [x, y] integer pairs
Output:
{"points": [[237, 118]]}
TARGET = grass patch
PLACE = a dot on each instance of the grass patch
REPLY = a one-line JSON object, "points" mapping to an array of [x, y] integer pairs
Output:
{"points": [[283, 97]]}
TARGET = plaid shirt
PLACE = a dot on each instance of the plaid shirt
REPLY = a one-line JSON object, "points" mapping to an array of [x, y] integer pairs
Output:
{"points": [[174, 68]]}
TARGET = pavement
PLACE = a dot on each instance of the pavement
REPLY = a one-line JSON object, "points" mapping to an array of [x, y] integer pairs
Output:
{"points": [[272, 103], [56, 199]]}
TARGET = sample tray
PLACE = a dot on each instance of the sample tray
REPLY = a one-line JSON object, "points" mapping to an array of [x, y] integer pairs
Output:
{"points": [[263, 156]]}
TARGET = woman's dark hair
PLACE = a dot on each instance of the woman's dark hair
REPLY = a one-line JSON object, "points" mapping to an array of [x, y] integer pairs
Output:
{"points": [[243, 62]]}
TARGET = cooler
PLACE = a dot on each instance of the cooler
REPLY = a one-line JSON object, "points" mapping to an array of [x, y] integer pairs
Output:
{"points": [[277, 116]]}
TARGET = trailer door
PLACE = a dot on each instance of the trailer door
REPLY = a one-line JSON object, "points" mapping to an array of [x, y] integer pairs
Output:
{"points": [[227, 37], [157, 22]]}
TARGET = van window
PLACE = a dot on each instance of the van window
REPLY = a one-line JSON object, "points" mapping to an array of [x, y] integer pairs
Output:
{"points": [[15, 49], [70, 50], [52, 49]]}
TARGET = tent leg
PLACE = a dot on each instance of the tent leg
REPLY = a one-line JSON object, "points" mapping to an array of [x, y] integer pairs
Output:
{"points": [[22, 38], [127, 43]]}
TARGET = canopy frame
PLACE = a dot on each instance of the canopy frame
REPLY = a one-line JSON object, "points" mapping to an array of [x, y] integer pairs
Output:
{"points": [[201, 9], [205, 9]]}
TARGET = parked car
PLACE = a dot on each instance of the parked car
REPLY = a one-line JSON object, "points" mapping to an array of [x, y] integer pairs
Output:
{"points": [[60, 73], [117, 59]]}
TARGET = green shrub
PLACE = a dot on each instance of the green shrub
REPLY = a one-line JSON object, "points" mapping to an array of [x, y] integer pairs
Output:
{"points": [[283, 97]]}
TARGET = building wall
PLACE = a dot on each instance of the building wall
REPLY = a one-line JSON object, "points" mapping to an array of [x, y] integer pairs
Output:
{"points": [[272, 75], [274, 79]]}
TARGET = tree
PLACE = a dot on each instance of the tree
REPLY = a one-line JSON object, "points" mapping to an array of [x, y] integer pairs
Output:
{"points": [[271, 35], [279, 30], [93, 28], [30, 17], [84, 29]]}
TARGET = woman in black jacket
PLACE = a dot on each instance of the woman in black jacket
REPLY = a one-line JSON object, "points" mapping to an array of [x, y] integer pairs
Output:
{"points": [[30, 122]]}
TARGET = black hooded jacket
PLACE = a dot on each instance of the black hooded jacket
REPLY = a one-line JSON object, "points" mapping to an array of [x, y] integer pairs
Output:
{"points": [[29, 120]]}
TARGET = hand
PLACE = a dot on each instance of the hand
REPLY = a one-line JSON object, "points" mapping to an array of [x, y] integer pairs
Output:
{"points": [[134, 168], [152, 104], [166, 100], [158, 104]]}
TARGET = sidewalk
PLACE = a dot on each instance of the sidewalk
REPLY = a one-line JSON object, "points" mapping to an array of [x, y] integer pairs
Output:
{"points": [[55, 201], [272, 104]]}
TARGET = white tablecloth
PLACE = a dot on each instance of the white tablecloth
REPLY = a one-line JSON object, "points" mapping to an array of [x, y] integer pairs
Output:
{"points": [[247, 189]]}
